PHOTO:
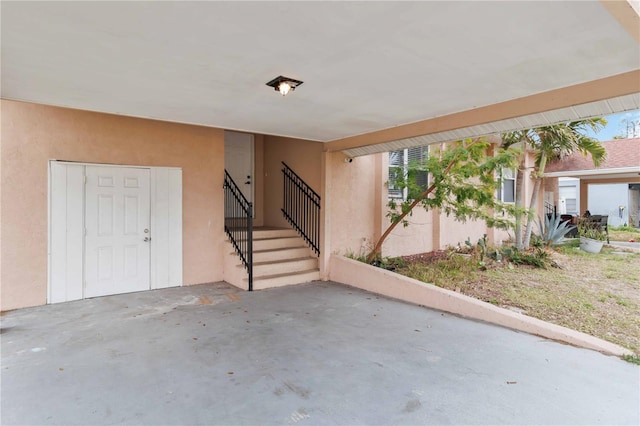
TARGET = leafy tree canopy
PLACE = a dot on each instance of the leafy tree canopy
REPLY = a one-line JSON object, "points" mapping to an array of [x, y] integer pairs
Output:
{"points": [[463, 179]]}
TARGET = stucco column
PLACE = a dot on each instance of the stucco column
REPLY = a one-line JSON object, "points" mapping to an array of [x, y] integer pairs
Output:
{"points": [[584, 196], [381, 195], [550, 184], [435, 229], [325, 222]]}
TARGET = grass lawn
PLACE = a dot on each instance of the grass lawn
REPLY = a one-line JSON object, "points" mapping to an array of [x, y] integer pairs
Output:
{"points": [[624, 233], [598, 294]]}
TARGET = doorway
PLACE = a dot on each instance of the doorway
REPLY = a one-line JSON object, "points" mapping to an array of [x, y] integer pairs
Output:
{"points": [[113, 229], [117, 230], [239, 161]]}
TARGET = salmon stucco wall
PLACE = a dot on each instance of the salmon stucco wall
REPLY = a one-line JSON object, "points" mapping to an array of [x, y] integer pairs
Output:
{"points": [[352, 209], [258, 181], [416, 238], [32, 134], [425, 234], [304, 158], [454, 232]]}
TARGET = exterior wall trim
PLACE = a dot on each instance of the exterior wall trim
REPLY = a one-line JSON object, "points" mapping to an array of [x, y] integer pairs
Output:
{"points": [[583, 93], [593, 172]]}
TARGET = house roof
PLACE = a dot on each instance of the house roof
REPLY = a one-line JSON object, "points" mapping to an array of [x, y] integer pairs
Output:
{"points": [[623, 157], [374, 72]]}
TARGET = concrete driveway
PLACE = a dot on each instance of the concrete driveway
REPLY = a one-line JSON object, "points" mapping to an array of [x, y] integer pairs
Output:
{"points": [[624, 244], [320, 353]]}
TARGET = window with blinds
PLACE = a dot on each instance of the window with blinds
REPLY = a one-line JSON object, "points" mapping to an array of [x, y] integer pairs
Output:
{"points": [[507, 191], [405, 164]]}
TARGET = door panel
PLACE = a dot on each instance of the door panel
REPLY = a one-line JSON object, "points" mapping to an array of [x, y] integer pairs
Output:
{"points": [[105, 215], [166, 223], [238, 160], [117, 208], [66, 232]]}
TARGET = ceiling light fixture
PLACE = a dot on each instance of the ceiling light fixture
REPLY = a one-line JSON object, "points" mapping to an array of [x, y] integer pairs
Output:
{"points": [[284, 84]]}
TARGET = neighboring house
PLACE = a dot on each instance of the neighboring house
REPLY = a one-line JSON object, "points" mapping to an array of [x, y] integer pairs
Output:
{"points": [[612, 189], [569, 196], [124, 122]]}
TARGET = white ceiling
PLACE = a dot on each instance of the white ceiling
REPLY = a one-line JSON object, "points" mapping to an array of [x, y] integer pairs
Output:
{"points": [[366, 66]]}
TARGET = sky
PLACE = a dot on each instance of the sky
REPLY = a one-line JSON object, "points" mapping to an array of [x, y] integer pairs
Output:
{"points": [[616, 125]]}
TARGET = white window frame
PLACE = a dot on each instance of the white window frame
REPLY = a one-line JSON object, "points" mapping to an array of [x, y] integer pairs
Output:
{"points": [[406, 156], [501, 191]]}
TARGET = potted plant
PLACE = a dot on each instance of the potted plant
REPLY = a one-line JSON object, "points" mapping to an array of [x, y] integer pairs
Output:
{"points": [[592, 236]]}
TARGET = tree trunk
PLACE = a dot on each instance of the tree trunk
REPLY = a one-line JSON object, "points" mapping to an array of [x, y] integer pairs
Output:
{"points": [[518, 204], [532, 205], [534, 199]]}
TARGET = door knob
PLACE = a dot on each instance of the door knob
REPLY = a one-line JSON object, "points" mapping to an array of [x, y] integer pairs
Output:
{"points": [[146, 239]]}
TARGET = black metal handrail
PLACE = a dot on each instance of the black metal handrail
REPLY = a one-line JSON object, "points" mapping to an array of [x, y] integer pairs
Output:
{"points": [[301, 208], [549, 208], [238, 223]]}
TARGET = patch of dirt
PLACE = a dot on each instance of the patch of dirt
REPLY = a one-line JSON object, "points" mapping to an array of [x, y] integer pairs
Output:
{"points": [[560, 260], [427, 258]]}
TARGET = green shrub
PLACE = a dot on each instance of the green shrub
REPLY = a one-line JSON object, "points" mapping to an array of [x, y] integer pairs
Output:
{"points": [[593, 230], [536, 256], [634, 359], [553, 230]]}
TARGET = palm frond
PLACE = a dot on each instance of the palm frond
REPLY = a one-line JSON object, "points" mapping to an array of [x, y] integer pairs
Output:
{"points": [[561, 140]]}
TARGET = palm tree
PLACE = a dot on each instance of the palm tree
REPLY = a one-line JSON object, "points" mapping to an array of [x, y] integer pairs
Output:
{"points": [[550, 143], [510, 140]]}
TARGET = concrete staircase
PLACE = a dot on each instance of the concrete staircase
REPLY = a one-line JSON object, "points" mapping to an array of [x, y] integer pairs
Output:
{"points": [[280, 257]]}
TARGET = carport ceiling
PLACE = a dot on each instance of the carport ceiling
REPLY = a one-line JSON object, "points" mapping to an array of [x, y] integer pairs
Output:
{"points": [[366, 66]]}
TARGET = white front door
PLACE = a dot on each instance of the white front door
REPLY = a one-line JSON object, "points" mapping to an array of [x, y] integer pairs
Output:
{"points": [[117, 226], [238, 160]]}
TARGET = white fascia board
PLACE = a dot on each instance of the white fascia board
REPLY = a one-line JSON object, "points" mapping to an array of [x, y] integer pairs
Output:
{"points": [[594, 172]]}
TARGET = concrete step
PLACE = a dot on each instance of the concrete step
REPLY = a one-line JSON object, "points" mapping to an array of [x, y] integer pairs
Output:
{"points": [[279, 280], [259, 234], [280, 257], [284, 266], [280, 254], [276, 243]]}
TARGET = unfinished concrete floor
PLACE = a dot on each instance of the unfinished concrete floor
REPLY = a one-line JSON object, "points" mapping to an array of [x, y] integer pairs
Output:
{"points": [[319, 353]]}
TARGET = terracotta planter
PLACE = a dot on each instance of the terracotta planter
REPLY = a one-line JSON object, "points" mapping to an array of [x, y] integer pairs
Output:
{"points": [[591, 246]]}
